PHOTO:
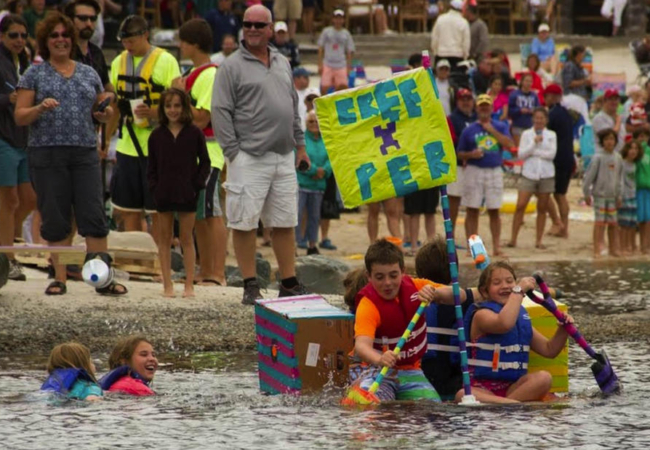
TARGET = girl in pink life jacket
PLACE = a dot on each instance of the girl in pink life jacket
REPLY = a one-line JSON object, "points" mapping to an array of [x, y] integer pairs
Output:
{"points": [[501, 324], [133, 364]]}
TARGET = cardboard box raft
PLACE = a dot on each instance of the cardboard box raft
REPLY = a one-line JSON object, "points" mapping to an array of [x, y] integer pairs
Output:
{"points": [[303, 343]]}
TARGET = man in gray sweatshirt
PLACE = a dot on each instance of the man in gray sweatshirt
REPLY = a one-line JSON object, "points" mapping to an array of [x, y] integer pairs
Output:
{"points": [[255, 120]]}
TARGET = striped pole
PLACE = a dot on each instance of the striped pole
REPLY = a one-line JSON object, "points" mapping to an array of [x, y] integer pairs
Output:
{"points": [[468, 398]]}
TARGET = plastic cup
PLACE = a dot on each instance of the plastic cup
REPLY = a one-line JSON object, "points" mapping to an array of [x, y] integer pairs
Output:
{"points": [[134, 104]]}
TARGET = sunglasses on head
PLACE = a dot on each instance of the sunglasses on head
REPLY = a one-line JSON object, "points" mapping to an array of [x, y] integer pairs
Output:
{"points": [[256, 25], [16, 35], [86, 18], [55, 35]]}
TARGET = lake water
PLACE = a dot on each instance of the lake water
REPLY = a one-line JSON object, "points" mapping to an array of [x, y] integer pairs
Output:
{"points": [[220, 407]]}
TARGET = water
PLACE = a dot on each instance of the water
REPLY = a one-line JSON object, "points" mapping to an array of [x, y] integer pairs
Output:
{"points": [[220, 407]]}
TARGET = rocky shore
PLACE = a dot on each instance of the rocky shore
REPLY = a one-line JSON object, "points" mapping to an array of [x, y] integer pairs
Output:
{"points": [[33, 323]]}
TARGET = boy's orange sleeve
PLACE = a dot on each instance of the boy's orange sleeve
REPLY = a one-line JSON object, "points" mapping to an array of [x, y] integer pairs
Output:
{"points": [[421, 282], [366, 319]]}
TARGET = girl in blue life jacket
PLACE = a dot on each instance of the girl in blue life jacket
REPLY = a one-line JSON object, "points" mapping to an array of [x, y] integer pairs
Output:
{"points": [[501, 337], [72, 373]]}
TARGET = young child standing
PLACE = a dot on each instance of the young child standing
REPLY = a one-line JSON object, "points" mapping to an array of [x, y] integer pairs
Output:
{"points": [[72, 372], [502, 321], [521, 105], [133, 365], [643, 191], [312, 184], [179, 166], [335, 49], [603, 181], [631, 154], [384, 308]]}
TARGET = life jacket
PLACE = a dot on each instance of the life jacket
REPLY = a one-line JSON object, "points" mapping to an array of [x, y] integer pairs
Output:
{"points": [[189, 82], [62, 380], [137, 82], [121, 372], [394, 318], [442, 331], [500, 356]]}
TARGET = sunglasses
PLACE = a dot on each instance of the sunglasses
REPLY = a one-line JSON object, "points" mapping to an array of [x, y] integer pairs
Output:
{"points": [[16, 35], [256, 25], [86, 18], [64, 35]]}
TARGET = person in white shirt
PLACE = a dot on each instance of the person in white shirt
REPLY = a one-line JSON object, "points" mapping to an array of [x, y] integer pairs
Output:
{"points": [[450, 37], [443, 69], [537, 149]]}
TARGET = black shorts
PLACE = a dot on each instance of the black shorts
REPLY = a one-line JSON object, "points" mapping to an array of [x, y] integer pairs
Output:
{"points": [[68, 180], [562, 179], [129, 186], [422, 202], [329, 208]]}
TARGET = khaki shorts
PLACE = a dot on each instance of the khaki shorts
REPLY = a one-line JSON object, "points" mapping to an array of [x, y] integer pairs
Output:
{"points": [[287, 9], [455, 189], [482, 184], [542, 186], [262, 187]]}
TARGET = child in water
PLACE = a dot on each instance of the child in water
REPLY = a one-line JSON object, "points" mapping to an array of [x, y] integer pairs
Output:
{"points": [[177, 171], [133, 365], [72, 373], [502, 324]]}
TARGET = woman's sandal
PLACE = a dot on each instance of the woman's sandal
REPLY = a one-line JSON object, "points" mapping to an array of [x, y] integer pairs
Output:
{"points": [[59, 285], [114, 289]]}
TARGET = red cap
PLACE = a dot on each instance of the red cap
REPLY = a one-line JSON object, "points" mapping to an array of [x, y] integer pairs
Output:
{"points": [[462, 92], [553, 89], [611, 93]]}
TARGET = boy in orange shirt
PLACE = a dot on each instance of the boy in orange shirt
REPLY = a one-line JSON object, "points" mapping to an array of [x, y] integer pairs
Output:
{"points": [[384, 307]]}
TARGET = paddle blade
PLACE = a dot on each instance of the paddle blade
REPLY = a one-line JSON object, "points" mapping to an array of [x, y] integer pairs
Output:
{"points": [[357, 396], [603, 371]]}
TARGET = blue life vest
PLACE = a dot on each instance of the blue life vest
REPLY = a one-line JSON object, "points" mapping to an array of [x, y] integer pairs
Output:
{"points": [[500, 356], [62, 380], [442, 330], [111, 377]]}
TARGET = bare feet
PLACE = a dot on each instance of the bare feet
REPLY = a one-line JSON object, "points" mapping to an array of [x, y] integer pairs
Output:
{"points": [[511, 244], [499, 253], [540, 246], [169, 292], [188, 293]]}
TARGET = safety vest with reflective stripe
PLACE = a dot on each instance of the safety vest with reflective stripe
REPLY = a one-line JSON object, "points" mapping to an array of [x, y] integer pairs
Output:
{"points": [[208, 132], [394, 318], [137, 82], [500, 356]]}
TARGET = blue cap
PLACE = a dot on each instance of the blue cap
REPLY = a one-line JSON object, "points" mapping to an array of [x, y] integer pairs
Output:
{"points": [[300, 72]]}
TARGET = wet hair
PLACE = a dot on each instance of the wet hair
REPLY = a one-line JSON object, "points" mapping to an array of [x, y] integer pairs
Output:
{"points": [[124, 350], [415, 60], [11, 19], [71, 7], [197, 32], [432, 261], [45, 27], [354, 281], [70, 355], [536, 58], [628, 146], [541, 110], [604, 133], [486, 276], [186, 116], [383, 252], [523, 76], [575, 51]]}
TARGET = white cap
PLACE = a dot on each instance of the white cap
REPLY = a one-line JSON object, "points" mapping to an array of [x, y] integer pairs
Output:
{"points": [[338, 12], [281, 26], [457, 4], [312, 91], [543, 27], [443, 63]]}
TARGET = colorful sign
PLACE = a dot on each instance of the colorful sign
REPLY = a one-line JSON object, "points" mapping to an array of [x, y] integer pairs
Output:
{"points": [[387, 139]]}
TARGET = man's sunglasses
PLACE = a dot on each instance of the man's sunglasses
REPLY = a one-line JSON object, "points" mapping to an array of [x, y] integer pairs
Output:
{"points": [[64, 35], [86, 18], [256, 25], [16, 35]]}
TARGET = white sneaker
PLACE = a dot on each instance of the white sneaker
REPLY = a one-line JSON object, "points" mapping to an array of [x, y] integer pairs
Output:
{"points": [[16, 271]]}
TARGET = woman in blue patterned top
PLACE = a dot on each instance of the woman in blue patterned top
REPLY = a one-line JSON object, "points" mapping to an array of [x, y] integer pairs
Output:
{"points": [[58, 100]]}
